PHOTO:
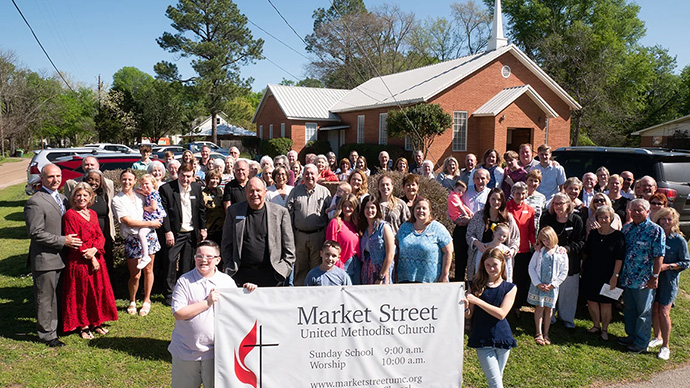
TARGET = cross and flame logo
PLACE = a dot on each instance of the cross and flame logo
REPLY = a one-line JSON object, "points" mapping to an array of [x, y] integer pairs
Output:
{"points": [[248, 343]]}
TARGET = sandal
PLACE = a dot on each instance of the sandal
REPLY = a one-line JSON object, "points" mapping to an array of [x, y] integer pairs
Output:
{"points": [[101, 330], [539, 339], [145, 308], [85, 333], [132, 309], [594, 330], [547, 340], [604, 335]]}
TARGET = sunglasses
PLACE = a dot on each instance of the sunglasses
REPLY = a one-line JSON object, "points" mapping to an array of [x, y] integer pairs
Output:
{"points": [[656, 204], [599, 200]]}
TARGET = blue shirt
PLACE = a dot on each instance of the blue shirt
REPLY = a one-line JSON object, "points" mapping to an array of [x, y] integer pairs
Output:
{"points": [[335, 277], [643, 242], [420, 254], [677, 253], [551, 177]]}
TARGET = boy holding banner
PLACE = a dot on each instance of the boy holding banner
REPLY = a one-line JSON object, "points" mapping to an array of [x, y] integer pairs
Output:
{"points": [[327, 274], [193, 301]]}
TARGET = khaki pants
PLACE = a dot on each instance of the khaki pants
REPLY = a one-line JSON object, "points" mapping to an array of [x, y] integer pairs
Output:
{"points": [[307, 253]]}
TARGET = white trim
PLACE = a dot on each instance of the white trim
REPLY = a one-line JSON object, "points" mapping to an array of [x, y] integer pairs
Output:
{"points": [[383, 134], [308, 138], [459, 139]]}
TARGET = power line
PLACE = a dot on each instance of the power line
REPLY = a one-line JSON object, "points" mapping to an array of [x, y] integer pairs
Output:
{"points": [[278, 66], [286, 22], [283, 43], [42, 48]]}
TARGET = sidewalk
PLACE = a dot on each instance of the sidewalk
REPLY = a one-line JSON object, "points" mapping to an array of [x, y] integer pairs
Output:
{"points": [[676, 378]]}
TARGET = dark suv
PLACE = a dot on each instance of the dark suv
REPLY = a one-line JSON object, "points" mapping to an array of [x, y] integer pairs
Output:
{"points": [[670, 168]]}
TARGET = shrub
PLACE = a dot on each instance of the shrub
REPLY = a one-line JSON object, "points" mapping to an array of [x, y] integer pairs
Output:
{"points": [[316, 147], [428, 188], [252, 145], [275, 147]]}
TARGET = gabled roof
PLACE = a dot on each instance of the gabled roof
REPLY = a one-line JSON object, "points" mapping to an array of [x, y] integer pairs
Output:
{"points": [[507, 96], [301, 103], [672, 122], [221, 129], [422, 84]]}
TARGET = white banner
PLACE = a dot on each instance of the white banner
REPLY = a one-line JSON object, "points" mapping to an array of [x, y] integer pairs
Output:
{"points": [[393, 336]]}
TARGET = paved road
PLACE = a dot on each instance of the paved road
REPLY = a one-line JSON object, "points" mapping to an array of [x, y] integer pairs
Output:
{"points": [[12, 173]]}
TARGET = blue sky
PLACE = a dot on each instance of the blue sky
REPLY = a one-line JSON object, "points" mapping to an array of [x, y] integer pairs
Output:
{"points": [[88, 38]]}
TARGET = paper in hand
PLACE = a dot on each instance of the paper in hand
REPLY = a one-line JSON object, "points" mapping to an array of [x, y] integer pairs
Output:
{"points": [[614, 294]]}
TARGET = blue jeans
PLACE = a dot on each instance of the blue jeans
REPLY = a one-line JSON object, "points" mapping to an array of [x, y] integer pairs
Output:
{"points": [[493, 361], [637, 314]]}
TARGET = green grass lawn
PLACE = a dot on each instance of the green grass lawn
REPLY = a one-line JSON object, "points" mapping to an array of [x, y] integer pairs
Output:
{"points": [[135, 354]]}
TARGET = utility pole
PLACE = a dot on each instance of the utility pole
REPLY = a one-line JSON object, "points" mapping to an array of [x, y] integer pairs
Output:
{"points": [[99, 108]]}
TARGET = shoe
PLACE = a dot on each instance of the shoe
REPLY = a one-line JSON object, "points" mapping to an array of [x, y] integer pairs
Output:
{"points": [[604, 335], [55, 343], [539, 339], [132, 309], [145, 308], [101, 330], [594, 330], [625, 341], [635, 349], [85, 333], [547, 340], [143, 262], [655, 342], [664, 353]]}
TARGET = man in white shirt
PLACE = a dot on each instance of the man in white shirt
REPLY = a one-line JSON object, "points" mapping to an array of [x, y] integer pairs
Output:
{"points": [[589, 182], [552, 175], [477, 193], [627, 189]]}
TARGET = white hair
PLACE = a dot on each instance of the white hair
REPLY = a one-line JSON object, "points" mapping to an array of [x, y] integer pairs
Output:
{"points": [[152, 166], [267, 160]]}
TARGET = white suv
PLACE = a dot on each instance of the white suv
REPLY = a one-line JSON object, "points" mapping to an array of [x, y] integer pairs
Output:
{"points": [[112, 147]]}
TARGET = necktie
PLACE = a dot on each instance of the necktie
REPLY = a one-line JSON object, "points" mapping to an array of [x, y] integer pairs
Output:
{"points": [[60, 204]]}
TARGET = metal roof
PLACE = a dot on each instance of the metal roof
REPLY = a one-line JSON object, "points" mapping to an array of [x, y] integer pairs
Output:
{"points": [[507, 96], [667, 123], [302, 103], [222, 129], [421, 84]]}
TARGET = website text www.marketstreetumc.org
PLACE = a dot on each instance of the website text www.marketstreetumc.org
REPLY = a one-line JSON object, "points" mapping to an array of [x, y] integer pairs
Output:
{"points": [[386, 382]]}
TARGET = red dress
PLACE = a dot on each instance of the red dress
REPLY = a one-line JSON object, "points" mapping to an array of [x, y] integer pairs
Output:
{"points": [[88, 298]]}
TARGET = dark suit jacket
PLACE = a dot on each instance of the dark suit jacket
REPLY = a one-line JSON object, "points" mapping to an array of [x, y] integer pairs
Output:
{"points": [[44, 225], [170, 196], [281, 240]]}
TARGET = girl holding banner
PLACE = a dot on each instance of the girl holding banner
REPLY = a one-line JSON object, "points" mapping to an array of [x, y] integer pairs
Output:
{"points": [[494, 296]]}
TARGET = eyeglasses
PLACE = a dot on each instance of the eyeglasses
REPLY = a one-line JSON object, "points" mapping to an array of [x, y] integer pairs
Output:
{"points": [[202, 257], [657, 204], [599, 200], [628, 179]]}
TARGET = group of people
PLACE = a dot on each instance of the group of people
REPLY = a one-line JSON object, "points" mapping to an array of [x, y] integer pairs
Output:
{"points": [[524, 233]]}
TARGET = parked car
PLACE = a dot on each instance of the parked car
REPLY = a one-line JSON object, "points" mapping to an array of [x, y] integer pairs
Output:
{"points": [[112, 147], [670, 168], [197, 155], [50, 155], [159, 151], [71, 166], [196, 147]]}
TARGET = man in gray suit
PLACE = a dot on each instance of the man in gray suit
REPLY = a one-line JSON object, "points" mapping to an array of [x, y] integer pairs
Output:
{"points": [[43, 213], [258, 244]]}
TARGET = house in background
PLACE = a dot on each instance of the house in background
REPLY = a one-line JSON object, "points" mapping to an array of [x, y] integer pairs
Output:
{"points": [[671, 134], [228, 134], [498, 99]]}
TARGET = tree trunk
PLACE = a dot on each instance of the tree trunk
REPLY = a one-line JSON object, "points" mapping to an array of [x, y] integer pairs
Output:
{"points": [[575, 135], [214, 128]]}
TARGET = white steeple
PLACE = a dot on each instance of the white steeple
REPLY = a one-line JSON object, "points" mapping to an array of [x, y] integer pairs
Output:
{"points": [[497, 40]]}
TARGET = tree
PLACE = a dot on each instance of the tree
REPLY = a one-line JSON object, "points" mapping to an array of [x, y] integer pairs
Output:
{"points": [[161, 109], [215, 34], [474, 24], [353, 47], [72, 117], [421, 122], [113, 123], [591, 48]]}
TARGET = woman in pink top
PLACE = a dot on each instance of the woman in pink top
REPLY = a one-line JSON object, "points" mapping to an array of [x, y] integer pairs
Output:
{"points": [[460, 214], [343, 230]]}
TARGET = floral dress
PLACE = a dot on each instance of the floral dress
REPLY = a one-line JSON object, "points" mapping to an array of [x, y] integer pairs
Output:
{"points": [[537, 297], [373, 252]]}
